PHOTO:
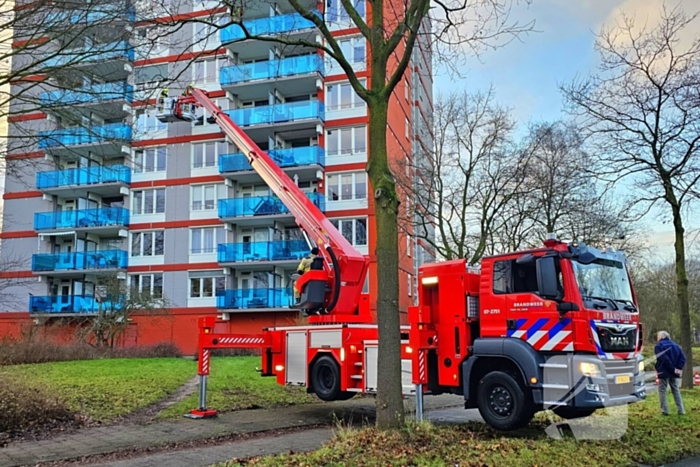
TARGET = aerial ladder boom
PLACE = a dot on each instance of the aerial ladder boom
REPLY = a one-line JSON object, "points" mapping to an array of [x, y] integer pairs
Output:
{"points": [[334, 283]]}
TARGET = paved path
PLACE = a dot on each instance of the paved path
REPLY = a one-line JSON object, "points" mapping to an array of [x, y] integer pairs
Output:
{"points": [[109, 439]]}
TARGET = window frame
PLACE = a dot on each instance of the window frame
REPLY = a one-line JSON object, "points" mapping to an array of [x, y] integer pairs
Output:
{"points": [[139, 168], [338, 224], [218, 187], [217, 230], [217, 279], [329, 183], [152, 282], [142, 242], [142, 201], [217, 147], [354, 149]]}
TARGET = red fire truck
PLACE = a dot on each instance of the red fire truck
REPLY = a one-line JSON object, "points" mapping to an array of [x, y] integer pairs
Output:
{"points": [[555, 327]]}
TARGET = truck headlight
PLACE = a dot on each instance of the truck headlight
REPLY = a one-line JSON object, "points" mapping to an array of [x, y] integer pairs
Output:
{"points": [[590, 369], [640, 366]]}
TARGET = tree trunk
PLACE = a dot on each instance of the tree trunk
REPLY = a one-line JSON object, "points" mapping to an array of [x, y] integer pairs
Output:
{"points": [[389, 402], [685, 338]]}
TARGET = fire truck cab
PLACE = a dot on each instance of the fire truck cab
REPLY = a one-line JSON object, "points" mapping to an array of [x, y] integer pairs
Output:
{"points": [[550, 328]]}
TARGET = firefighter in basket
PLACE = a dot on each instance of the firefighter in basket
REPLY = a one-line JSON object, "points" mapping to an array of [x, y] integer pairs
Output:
{"points": [[303, 267]]}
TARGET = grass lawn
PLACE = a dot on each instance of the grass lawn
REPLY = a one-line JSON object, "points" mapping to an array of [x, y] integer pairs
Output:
{"points": [[106, 389], [235, 385], [649, 439]]}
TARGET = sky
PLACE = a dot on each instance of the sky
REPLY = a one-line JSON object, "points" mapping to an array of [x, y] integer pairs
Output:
{"points": [[526, 74]]}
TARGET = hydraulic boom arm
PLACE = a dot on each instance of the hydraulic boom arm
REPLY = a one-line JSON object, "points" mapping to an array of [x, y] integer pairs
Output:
{"points": [[334, 285]]}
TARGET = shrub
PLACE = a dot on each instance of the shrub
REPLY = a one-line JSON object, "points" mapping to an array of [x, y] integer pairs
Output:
{"points": [[31, 409], [43, 351]]}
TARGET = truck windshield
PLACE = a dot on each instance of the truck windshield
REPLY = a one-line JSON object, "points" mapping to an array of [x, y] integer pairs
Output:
{"points": [[603, 279]]}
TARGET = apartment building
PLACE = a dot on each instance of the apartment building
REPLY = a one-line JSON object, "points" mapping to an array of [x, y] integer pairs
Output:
{"points": [[175, 209]]}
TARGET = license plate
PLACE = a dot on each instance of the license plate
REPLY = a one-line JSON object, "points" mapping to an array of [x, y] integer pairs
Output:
{"points": [[622, 379]]}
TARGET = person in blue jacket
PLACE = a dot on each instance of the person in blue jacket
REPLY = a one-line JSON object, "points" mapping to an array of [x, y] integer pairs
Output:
{"points": [[670, 360]]}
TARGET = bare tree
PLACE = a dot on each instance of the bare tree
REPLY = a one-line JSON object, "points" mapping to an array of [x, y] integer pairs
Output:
{"points": [[465, 181], [643, 112], [116, 305]]}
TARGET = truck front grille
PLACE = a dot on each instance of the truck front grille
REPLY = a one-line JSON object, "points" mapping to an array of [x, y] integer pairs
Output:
{"points": [[613, 339]]}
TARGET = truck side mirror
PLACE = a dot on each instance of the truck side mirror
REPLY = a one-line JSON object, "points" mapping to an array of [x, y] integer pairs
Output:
{"points": [[547, 278]]}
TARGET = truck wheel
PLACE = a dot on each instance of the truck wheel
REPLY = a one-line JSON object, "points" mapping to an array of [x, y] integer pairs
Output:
{"points": [[570, 412], [503, 403], [325, 379]]}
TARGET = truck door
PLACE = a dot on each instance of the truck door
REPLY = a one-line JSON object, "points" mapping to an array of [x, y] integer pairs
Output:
{"points": [[530, 317]]}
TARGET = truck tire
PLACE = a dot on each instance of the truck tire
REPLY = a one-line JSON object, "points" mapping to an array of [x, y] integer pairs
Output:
{"points": [[569, 412], [325, 380], [503, 403]]}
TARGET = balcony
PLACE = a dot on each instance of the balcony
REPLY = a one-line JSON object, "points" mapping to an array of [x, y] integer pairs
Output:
{"points": [[260, 206], [69, 304], [87, 261], [100, 180], [276, 114], [110, 220], [87, 14], [290, 157], [299, 75], [106, 60], [107, 100], [105, 140], [252, 299], [268, 26], [247, 252]]}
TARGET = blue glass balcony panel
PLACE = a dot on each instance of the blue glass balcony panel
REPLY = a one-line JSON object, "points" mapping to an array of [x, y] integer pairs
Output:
{"points": [[271, 69], [266, 26], [79, 135], [83, 304], [280, 113], [260, 206], [100, 217], [102, 259], [278, 250], [254, 298], [97, 93], [83, 176], [92, 54], [290, 157], [101, 14]]}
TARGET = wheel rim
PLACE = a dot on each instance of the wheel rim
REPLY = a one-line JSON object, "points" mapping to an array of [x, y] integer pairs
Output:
{"points": [[501, 401], [325, 378]]}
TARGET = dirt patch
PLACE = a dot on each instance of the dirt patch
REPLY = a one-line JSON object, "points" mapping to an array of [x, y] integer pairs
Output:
{"points": [[149, 413]]}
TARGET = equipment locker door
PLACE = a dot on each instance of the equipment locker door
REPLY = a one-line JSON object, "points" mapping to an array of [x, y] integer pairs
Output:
{"points": [[296, 358]]}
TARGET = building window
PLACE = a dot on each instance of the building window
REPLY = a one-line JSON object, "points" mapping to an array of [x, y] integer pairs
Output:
{"points": [[223, 105], [146, 122], [346, 141], [206, 154], [148, 78], [353, 49], [409, 281], [335, 12], [204, 197], [409, 245], [148, 201], [147, 243], [205, 239], [407, 128], [151, 41], [342, 96], [347, 186], [150, 160], [207, 71], [206, 284], [405, 89], [147, 283], [354, 230]]}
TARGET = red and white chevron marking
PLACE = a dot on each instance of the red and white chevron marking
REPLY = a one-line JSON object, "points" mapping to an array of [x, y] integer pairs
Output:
{"points": [[241, 340], [205, 361], [421, 365]]}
